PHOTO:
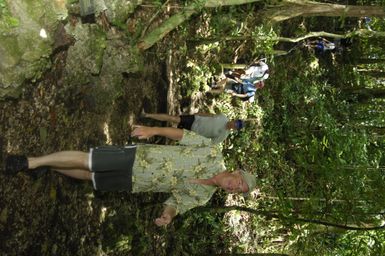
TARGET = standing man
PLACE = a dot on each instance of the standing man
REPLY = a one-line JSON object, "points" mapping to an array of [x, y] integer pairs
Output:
{"points": [[244, 83], [241, 88], [215, 127], [321, 45], [258, 71], [191, 171]]}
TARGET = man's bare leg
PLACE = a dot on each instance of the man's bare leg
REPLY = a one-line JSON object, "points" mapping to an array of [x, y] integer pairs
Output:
{"points": [[63, 159], [216, 91], [220, 87], [79, 174], [70, 163]]}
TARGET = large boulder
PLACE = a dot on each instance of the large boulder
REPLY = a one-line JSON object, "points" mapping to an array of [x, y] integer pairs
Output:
{"points": [[99, 58], [119, 10], [119, 59], [85, 57], [96, 55], [26, 38]]}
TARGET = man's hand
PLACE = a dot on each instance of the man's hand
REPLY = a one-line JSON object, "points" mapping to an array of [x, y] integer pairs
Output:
{"points": [[231, 92], [163, 220], [168, 214], [239, 80], [143, 132]]}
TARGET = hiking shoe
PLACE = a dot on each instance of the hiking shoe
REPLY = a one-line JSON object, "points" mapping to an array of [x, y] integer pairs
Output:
{"points": [[212, 83], [15, 164]]}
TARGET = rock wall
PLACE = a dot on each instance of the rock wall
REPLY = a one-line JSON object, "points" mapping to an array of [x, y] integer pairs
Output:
{"points": [[98, 53], [26, 28]]}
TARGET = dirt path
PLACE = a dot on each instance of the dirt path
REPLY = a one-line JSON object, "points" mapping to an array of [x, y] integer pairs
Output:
{"points": [[55, 215]]}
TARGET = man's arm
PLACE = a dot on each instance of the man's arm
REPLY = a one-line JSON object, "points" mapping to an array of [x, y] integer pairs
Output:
{"points": [[325, 40], [238, 94], [167, 216], [235, 80], [257, 63], [144, 132]]}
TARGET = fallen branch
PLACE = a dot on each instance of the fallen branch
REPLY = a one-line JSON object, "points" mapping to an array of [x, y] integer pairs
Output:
{"points": [[177, 19]]}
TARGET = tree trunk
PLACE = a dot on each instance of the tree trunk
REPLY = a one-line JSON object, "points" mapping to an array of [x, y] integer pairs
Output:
{"points": [[365, 94], [360, 33], [288, 9], [374, 130], [262, 38], [218, 3], [372, 73], [160, 32], [368, 61], [233, 66], [305, 199], [294, 8], [268, 214]]}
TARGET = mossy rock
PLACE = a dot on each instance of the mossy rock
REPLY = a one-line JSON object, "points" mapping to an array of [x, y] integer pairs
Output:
{"points": [[85, 57], [119, 58], [24, 48], [118, 11]]}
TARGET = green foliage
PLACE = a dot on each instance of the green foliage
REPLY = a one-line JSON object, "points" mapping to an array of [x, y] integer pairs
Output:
{"points": [[196, 77], [313, 160], [188, 239], [3, 6], [118, 230], [366, 243], [309, 155], [325, 158], [263, 38]]}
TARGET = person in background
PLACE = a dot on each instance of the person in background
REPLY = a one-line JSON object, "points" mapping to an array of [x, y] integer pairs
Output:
{"points": [[258, 71], [214, 126], [240, 88], [321, 44], [243, 83]]}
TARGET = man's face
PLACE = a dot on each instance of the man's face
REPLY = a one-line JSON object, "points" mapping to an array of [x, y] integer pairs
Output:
{"points": [[259, 84], [231, 125], [233, 182]]}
